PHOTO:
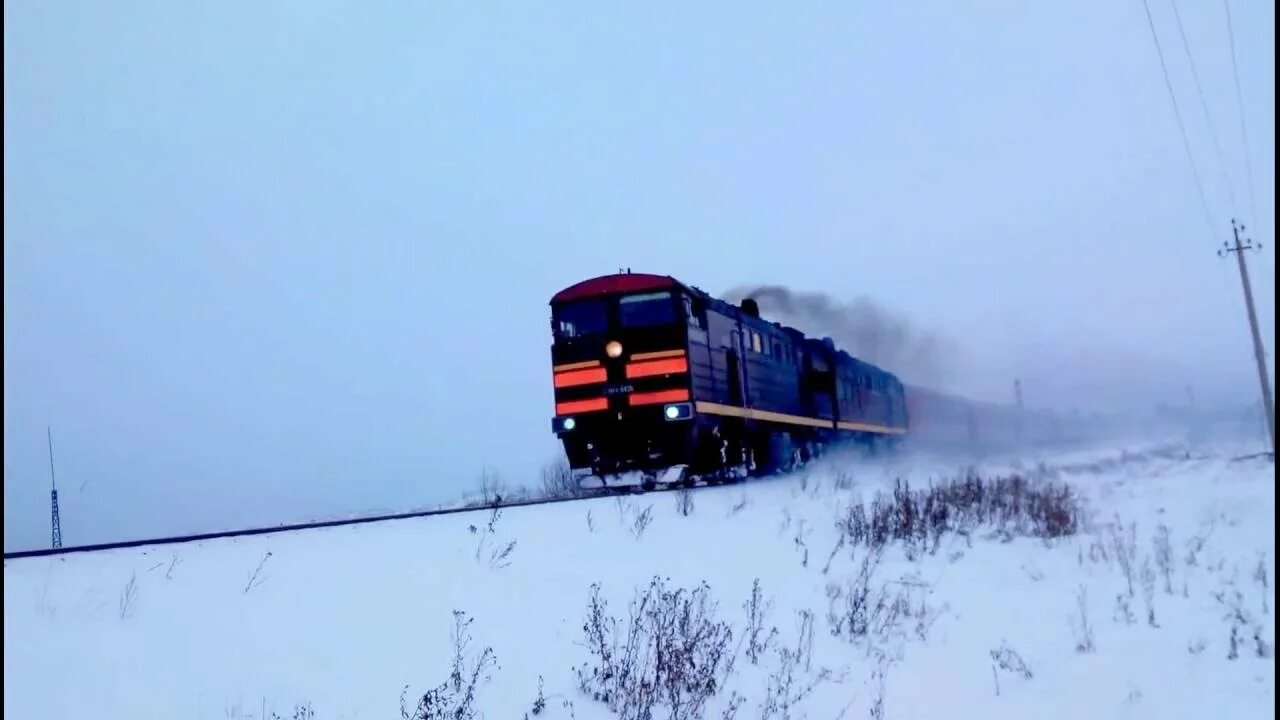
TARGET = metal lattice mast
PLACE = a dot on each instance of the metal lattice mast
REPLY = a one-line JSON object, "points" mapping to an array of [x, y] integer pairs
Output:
{"points": [[53, 495]]}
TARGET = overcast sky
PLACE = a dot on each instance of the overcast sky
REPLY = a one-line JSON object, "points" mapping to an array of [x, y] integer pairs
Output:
{"points": [[272, 261]]}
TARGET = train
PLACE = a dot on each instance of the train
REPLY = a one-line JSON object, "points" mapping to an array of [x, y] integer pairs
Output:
{"points": [[658, 382]]}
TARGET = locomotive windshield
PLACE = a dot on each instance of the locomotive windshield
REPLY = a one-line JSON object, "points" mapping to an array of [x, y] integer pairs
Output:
{"points": [[585, 317], [647, 309], [593, 317]]}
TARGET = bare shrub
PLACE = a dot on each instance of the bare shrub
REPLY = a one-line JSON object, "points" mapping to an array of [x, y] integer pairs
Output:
{"points": [[800, 544], [1123, 613], [786, 521], [1164, 557], [128, 595], [843, 480], [1261, 647], [492, 487], [455, 698], [168, 574], [804, 643], [897, 604], [684, 502], [557, 480], [731, 709], [257, 578], [784, 690], [500, 558], [840, 541], [1148, 576], [1098, 551], [1240, 621], [1124, 548], [851, 619], [1197, 543], [591, 523], [300, 712], [757, 640], [870, 613], [876, 712], [672, 653], [739, 506], [490, 529], [641, 522], [1080, 626], [1012, 506], [540, 702], [1008, 659], [1260, 577]]}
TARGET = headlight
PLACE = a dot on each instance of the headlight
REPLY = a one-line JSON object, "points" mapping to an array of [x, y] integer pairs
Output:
{"points": [[678, 411], [569, 423], [613, 349]]}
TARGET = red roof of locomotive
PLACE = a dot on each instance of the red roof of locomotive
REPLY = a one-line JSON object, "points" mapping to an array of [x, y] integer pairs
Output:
{"points": [[607, 284]]}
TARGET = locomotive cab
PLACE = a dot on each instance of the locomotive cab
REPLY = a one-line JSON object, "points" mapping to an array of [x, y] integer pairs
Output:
{"points": [[620, 368]]}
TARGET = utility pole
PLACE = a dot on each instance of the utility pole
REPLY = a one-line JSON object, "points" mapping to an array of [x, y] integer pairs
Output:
{"points": [[53, 494], [1017, 393], [1267, 408]]}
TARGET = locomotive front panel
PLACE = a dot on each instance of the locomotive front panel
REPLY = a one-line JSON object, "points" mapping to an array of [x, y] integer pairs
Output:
{"points": [[620, 374]]}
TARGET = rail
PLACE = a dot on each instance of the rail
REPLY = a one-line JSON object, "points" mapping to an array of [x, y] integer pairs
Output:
{"points": [[176, 539]]}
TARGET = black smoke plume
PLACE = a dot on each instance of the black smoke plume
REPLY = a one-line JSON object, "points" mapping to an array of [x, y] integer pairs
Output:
{"points": [[861, 327]]}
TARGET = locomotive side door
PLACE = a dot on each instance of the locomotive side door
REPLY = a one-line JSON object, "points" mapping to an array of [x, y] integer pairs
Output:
{"points": [[735, 380], [733, 367]]}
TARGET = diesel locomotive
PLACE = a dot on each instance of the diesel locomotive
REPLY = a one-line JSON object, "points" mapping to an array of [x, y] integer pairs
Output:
{"points": [[656, 381]]}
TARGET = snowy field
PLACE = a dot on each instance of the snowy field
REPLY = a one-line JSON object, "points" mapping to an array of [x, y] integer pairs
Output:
{"points": [[1160, 605]]}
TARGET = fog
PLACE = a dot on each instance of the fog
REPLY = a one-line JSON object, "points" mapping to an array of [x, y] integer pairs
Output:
{"points": [[272, 263]]}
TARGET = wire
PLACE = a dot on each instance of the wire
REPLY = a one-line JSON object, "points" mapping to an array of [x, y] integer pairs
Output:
{"points": [[1244, 133], [1213, 133], [1186, 143]]}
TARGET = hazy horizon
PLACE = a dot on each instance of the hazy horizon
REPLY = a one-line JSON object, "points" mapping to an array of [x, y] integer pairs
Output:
{"points": [[265, 264]]}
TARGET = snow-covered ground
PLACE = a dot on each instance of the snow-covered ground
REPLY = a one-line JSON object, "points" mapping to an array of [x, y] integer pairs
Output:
{"points": [[345, 619]]}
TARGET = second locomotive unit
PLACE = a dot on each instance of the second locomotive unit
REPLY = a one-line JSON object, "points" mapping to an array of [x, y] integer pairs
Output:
{"points": [[655, 380]]}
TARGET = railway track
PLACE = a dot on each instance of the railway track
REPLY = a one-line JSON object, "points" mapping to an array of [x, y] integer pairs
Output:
{"points": [[244, 532], [587, 494]]}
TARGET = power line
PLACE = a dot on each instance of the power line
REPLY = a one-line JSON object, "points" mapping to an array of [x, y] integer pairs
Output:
{"points": [[1204, 105], [1186, 143], [1244, 133]]}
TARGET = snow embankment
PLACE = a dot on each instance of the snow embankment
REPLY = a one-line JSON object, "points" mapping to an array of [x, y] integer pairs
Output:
{"points": [[1154, 597]]}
